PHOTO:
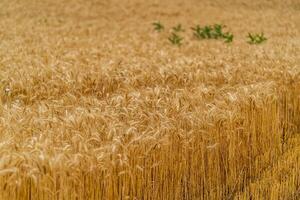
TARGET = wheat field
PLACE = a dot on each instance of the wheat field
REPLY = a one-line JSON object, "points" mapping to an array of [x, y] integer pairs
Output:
{"points": [[97, 105]]}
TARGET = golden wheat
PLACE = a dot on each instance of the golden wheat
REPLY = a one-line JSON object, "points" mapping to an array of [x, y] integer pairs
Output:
{"points": [[96, 105]]}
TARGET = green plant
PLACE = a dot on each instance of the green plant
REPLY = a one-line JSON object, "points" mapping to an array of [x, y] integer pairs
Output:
{"points": [[178, 28], [198, 32], [175, 39], [203, 33], [158, 26], [228, 37], [207, 30], [256, 38], [212, 32], [218, 31]]}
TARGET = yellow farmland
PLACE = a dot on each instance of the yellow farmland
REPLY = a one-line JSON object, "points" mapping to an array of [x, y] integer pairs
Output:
{"points": [[97, 104]]}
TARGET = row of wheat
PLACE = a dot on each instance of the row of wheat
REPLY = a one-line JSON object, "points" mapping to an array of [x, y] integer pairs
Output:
{"points": [[122, 133]]}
